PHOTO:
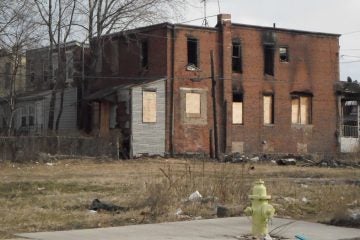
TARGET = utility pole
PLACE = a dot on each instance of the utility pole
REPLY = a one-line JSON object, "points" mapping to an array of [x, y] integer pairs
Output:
{"points": [[213, 89], [205, 21]]}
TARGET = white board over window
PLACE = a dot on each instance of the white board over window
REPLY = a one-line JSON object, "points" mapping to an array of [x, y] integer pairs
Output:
{"points": [[193, 104], [237, 112]]}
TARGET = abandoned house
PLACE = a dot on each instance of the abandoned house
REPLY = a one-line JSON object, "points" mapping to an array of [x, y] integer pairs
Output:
{"points": [[274, 89], [348, 105], [32, 109]]}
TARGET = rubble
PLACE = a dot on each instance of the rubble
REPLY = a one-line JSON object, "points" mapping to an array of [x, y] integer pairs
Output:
{"points": [[195, 197], [222, 211], [286, 162], [351, 218]]}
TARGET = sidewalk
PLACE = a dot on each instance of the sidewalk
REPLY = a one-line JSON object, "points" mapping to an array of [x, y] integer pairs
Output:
{"points": [[219, 229]]}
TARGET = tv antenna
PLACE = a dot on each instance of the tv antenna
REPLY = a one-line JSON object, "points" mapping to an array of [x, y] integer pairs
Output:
{"points": [[205, 21]]}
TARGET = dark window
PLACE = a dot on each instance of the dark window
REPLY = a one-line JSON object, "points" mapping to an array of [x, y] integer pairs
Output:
{"points": [[32, 77], [284, 54], [192, 51], [31, 120], [269, 59], [236, 57], [45, 76], [144, 54], [23, 121]]}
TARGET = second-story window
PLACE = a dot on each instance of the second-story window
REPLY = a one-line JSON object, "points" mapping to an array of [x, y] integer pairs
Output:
{"points": [[144, 57], [269, 59], [284, 54], [236, 57], [192, 52]]}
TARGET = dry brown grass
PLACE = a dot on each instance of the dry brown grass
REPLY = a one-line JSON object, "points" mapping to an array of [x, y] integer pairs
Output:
{"points": [[38, 197]]}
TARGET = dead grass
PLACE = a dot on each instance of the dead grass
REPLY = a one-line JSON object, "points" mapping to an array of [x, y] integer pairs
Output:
{"points": [[38, 197]]}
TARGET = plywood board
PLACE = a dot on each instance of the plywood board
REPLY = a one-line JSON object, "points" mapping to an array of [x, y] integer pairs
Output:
{"points": [[193, 104], [149, 106], [237, 112], [295, 110], [268, 114]]}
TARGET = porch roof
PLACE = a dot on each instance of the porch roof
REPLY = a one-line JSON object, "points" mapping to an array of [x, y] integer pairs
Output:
{"points": [[109, 94]]}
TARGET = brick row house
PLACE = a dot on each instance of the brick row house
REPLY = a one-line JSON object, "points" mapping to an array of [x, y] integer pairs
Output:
{"points": [[274, 91]]}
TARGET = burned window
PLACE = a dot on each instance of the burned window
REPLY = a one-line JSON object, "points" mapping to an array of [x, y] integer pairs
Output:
{"points": [[301, 109], [192, 51], [268, 101], [237, 108], [236, 57], [193, 104], [269, 59], [149, 106], [144, 54], [284, 54]]}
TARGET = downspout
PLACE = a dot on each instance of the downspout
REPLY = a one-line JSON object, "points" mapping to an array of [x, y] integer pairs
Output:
{"points": [[171, 143]]}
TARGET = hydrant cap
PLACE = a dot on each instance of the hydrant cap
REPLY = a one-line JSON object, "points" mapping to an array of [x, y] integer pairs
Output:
{"points": [[259, 191]]}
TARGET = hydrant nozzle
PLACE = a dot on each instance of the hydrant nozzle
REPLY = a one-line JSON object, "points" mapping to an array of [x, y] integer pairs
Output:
{"points": [[260, 210]]}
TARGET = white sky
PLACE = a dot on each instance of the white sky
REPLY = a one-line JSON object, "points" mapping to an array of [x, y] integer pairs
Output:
{"points": [[331, 16]]}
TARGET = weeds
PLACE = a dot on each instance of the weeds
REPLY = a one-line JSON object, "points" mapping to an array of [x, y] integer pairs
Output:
{"points": [[46, 198]]}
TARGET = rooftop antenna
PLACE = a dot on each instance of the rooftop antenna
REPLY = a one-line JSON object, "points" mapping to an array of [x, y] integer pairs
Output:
{"points": [[219, 6], [205, 21]]}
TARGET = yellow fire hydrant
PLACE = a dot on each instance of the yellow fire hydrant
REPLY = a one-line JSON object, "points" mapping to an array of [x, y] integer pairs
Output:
{"points": [[260, 210]]}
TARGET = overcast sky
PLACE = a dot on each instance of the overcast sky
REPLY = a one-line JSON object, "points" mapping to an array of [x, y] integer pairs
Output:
{"points": [[331, 16]]}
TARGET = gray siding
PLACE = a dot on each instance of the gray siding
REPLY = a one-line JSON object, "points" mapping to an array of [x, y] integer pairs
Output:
{"points": [[148, 138], [69, 114]]}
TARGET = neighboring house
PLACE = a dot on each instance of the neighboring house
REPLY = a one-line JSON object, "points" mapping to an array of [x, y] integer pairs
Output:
{"points": [[32, 112], [274, 87], [349, 116], [73, 62], [7, 72]]}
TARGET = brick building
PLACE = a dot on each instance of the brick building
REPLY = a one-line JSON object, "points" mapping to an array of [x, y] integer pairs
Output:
{"points": [[274, 87]]}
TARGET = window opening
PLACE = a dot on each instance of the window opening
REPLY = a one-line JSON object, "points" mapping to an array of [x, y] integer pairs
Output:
{"points": [[301, 110], [192, 51], [193, 105], [149, 106], [237, 108], [268, 101], [269, 59], [284, 54], [236, 57], [144, 54]]}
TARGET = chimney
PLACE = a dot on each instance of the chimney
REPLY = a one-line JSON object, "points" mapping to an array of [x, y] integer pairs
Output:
{"points": [[223, 18]]}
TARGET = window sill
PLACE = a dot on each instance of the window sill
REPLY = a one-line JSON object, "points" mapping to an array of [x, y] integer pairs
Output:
{"points": [[269, 124], [238, 124]]}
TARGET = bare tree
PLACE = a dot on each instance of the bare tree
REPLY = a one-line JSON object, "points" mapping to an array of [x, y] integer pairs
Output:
{"points": [[101, 17], [19, 33], [57, 16]]}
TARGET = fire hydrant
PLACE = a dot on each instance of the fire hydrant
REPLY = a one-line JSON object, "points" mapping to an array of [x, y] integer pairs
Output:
{"points": [[260, 210]]}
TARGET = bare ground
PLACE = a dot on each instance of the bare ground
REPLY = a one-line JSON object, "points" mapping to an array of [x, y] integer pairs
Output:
{"points": [[49, 197]]}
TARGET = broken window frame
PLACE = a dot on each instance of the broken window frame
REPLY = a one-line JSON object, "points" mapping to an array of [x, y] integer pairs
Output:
{"points": [[236, 56], [146, 107], [301, 109], [193, 52], [269, 120], [284, 57], [144, 54], [269, 59], [238, 104]]}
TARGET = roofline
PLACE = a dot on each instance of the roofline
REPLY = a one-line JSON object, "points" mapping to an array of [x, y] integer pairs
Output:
{"points": [[68, 44], [285, 30]]}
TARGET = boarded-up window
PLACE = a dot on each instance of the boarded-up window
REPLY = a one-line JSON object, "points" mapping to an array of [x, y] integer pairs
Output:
{"points": [[149, 106], [144, 54], [237, 108], [193, 105], [301, 110], [268, 109]]}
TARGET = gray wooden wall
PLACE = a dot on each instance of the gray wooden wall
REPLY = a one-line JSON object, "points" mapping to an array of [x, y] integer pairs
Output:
{"points": [[148, 138]]}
